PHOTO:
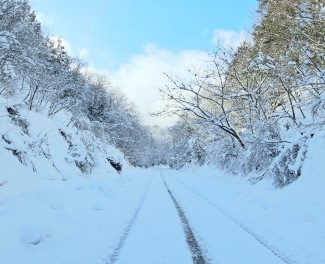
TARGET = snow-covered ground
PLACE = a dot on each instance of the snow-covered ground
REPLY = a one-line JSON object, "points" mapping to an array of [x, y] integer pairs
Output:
{"points": [[60, 199], [289, 221], [52, 212], [130, 218], [78, 220]]}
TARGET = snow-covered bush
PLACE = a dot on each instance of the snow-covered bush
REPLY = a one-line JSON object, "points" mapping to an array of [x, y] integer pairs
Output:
{"points": [[286, 168], [263, 147], [77, 153]]}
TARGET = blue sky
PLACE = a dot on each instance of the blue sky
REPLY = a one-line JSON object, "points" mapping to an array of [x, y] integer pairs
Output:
{"points": [[128, 39], [113, 30]]}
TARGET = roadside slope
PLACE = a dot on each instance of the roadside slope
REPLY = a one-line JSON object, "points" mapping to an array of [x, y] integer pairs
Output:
{"points": [[291, 219]]}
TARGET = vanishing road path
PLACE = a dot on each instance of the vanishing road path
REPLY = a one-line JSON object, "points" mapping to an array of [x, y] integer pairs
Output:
{"points": [[173, 224]]}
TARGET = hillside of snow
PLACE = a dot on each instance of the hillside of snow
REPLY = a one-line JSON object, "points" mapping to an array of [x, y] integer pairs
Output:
{"points": [[60, 198], [290, 220], [50, 147]]}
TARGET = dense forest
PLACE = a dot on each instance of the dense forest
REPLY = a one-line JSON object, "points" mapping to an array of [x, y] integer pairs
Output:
{"points": [[250, 111]]}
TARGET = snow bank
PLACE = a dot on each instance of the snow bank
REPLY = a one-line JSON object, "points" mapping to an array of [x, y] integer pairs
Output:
{"points": [[60, 199], [291, 218]]}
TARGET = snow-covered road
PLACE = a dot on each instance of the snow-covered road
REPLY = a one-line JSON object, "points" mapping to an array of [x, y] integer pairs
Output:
{"points": [[225, 239], [159, 231], [156, 235], [159, 216]]}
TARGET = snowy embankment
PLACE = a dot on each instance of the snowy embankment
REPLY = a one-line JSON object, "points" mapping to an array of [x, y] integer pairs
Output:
{"points": [[60, 199], [289, 221]]}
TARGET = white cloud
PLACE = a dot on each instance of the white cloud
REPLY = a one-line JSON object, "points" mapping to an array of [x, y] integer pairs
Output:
{"points": [[229, 38], [142, 77], [83, 53]]}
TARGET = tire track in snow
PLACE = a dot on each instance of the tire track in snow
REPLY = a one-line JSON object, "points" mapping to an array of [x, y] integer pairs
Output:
{"points": [[196, 251], [257, 237], [114, 256]]}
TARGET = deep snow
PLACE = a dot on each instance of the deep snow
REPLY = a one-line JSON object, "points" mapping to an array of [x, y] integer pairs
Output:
{"points": [[51, 212], [82, 220], [290, 220]]}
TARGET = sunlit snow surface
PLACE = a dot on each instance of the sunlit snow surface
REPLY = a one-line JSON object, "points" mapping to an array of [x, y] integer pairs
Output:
{"points": [[290, 221], [59, 215]]}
